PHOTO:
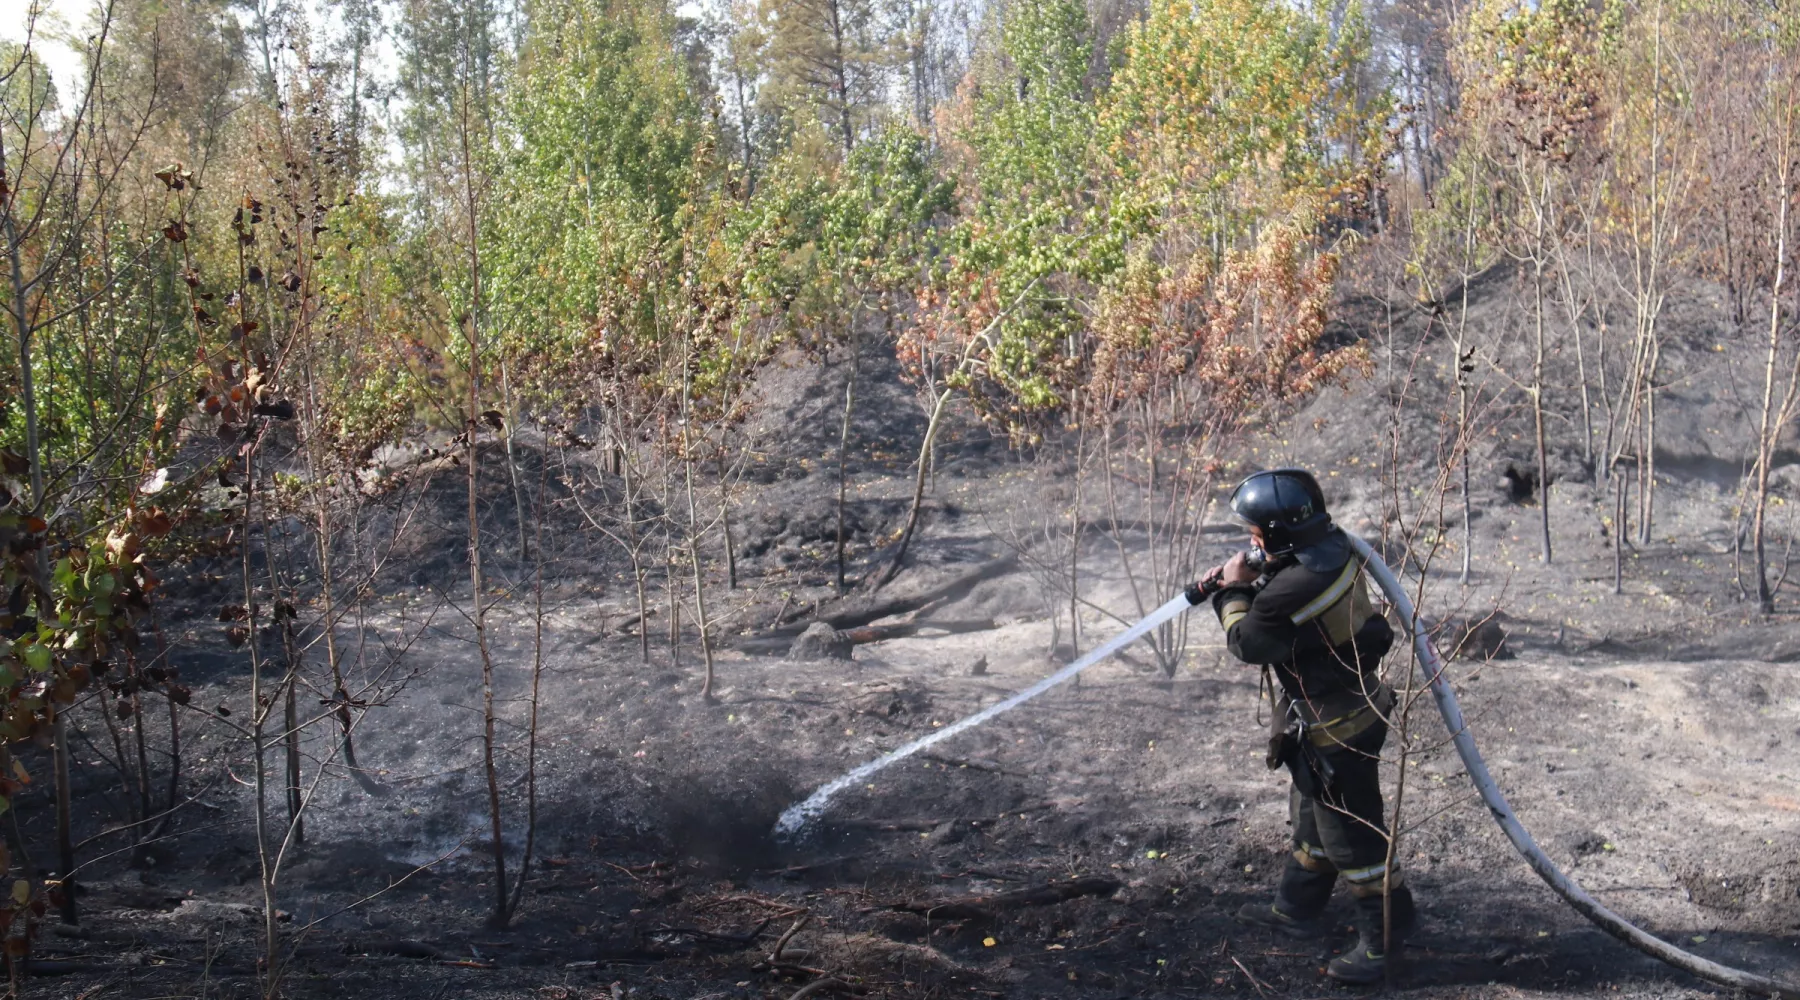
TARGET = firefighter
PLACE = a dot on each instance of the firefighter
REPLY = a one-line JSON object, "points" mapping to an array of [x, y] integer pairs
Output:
{"points": [[1297, 605]]}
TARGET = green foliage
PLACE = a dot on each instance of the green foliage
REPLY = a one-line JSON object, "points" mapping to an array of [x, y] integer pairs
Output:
{"points": [[368, 365], [854, 240], [70, 624], [1530, 70], [604, 135], [1029, 244], [1451, 238], [1101, 231], [1230, 112], [827, 65]]}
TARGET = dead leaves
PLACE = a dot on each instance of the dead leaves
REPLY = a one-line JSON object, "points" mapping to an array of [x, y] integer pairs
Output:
{"points": [[154, 522], [176, 177]]}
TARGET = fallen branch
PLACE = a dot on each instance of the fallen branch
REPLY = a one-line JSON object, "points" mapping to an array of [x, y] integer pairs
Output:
{"points": [[1260, 991], [987, 907], [880, 633], [788, 909], [779, 643], [781, 944], [401, 948], [866, 610], [60, 967]]}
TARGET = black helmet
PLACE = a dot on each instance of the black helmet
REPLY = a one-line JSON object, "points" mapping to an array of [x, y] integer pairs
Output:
{"points": [[1286, 504]]}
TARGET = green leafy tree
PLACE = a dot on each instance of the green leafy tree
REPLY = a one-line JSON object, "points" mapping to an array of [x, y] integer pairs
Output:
{"points": [[828, 61]]}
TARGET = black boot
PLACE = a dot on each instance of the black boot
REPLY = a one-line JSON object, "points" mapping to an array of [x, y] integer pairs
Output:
{"points": [[1366, 962], [1299, 900], [1273, 917]]}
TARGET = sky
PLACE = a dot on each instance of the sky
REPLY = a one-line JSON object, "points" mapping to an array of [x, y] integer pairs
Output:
{"points": [[58, 18]]}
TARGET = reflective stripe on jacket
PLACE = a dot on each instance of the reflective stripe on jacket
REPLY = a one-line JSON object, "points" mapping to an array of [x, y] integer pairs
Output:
{"points": [[1313, 624]]}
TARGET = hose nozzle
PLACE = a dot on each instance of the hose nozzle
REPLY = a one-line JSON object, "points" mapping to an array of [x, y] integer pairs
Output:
{"points": [[1213, 582]]}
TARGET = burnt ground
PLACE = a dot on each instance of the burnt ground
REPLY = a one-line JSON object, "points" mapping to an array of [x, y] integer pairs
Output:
{"points": [[1647, 740]]}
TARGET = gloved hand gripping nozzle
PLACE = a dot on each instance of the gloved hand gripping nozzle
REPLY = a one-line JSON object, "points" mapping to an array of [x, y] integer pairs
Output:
{"points": [[1202, 590]]}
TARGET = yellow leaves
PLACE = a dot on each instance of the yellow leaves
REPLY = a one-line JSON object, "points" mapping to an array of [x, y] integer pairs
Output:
{"points": [[1236, 98]]}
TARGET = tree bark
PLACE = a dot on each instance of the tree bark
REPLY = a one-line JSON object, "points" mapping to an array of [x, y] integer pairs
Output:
{"points": [[843, 452], [693, 548], [1765, 444], [65, 849], [1537, 368], [499, 917]]}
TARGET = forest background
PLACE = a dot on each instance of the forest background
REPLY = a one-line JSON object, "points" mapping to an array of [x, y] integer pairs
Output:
{"points": [[267, 261]]}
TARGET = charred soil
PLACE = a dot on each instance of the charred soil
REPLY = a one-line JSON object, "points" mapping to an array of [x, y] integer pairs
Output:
{"points": [[1092, 844]]}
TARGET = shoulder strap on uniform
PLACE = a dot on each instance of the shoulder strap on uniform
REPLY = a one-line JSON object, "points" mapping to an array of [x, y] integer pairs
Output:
{"points": [[1332, 594]]}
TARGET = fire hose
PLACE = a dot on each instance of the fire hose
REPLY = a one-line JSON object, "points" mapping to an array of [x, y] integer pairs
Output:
{"points": [[1573, 894], [796, 818]]}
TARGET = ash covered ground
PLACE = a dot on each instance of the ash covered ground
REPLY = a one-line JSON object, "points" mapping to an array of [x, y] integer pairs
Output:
{"points": [[1646, 739]]}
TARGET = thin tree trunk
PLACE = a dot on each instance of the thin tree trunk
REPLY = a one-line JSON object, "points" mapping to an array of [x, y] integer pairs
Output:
{"points": [[512, 460], [1075, 544], [65, 847], [1575, 314], [931, 431], [1647, 473], [1769, 427], [731, 575], [499, 918], [174, 767], [746, 147], [333, 656], [918, 497], [693, 548], [1647, 461], [1461, 360], [537, 676], [1537, 372], [141, 745], [259, 715], [841, 72], [843, 453], [291, 725], [290, 657], [1621, 504], [637, 561], [670, 572]]}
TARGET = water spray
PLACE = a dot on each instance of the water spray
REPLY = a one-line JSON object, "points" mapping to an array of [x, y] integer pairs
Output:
{"points": [[797, 817]]}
